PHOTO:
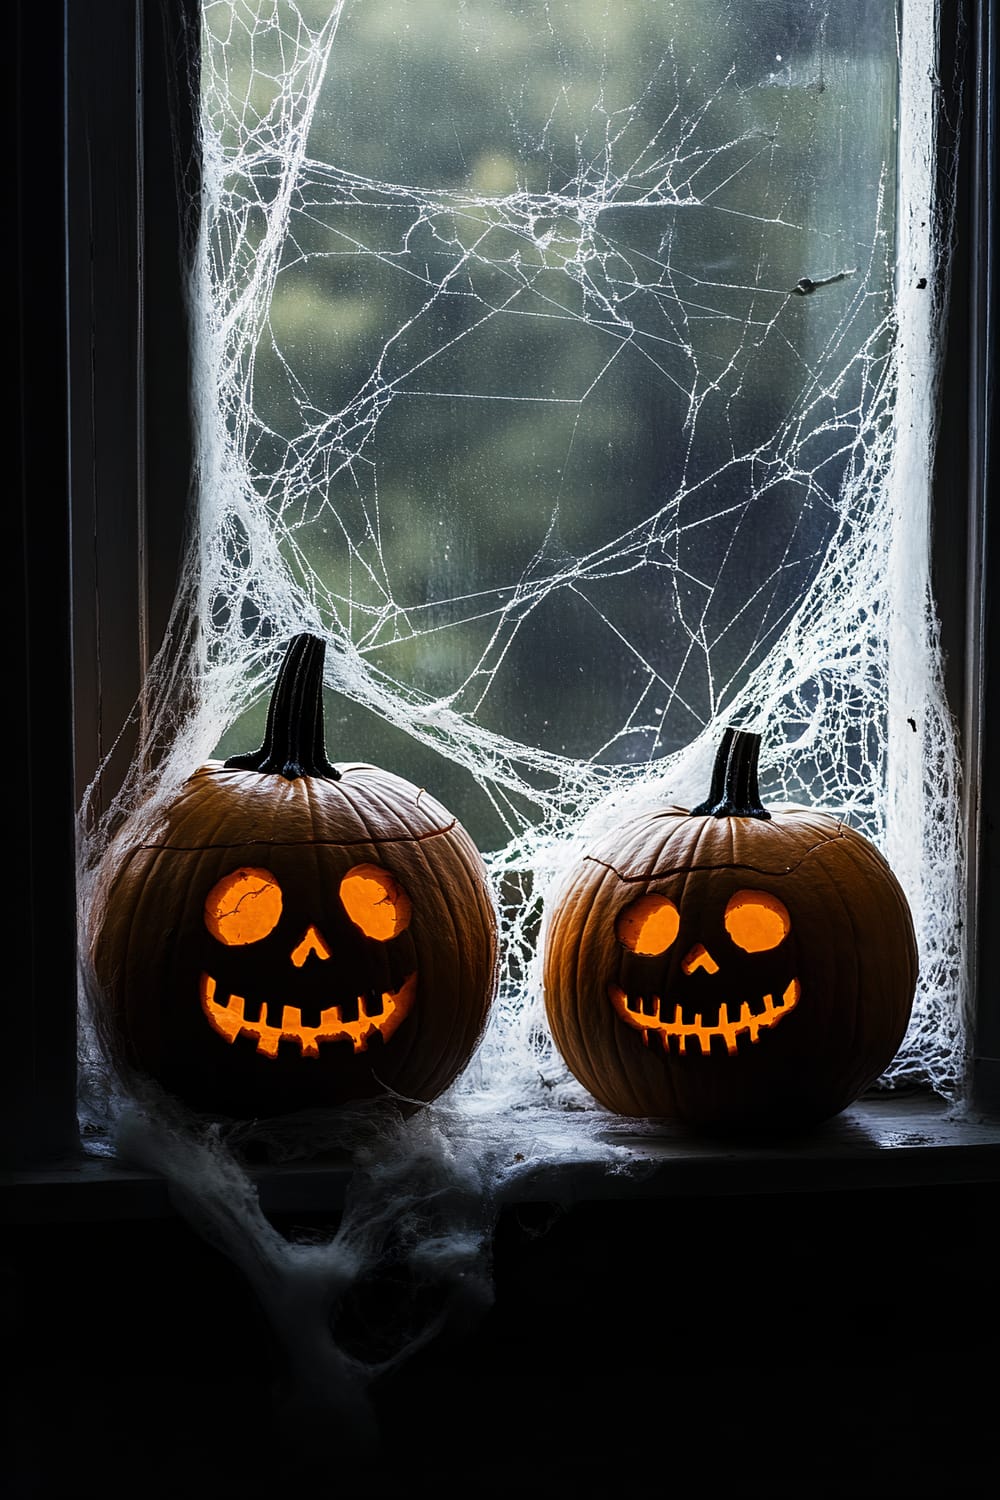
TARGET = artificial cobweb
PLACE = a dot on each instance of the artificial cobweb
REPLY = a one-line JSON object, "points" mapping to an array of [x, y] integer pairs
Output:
{"points": [[555, 367]]}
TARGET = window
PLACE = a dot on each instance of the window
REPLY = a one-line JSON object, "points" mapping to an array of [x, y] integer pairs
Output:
{"points": [[818, 1275], [564, 372], [681, 329]]}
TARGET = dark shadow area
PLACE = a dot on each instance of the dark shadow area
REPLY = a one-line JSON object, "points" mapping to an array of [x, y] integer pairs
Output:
{"points": [[807, 1345]]}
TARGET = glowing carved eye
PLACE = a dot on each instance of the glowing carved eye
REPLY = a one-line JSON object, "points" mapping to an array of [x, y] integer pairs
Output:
{"points": [[243, 907], [756, 921], [648, 926], [375, 902]]}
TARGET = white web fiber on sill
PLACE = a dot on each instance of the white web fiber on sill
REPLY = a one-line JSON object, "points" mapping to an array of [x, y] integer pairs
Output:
{"points": [[632, 387]]}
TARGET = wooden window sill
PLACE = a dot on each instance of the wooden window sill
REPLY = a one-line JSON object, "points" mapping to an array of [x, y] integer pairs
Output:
{"points": [[880, 1142]]}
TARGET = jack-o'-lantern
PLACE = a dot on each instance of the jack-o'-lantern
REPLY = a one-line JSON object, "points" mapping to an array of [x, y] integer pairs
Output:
{"points": [[729, 966], [297, 933]]}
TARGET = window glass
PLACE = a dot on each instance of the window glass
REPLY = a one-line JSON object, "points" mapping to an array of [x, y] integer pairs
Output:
{"points": [[547, 360], [562, 332]]}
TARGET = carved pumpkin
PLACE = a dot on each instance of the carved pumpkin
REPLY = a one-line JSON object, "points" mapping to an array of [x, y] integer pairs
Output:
{"points": [[729, 966], [297, 933]]}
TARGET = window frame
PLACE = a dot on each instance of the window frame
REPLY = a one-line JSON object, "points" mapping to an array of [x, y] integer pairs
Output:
{"points": [[105, 475], [104, 471], [971, 358]]}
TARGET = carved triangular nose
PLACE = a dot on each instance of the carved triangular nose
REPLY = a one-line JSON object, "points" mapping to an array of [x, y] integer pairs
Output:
{"points": [[700, 958], [311, 943]]}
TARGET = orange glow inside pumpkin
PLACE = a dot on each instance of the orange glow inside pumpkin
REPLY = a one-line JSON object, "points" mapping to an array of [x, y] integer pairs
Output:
{"points": [[728, 1027], [375, 902], [649, 925], [230, 1021], [700, 958], [313, 942], [243, 907], [756, 921]]}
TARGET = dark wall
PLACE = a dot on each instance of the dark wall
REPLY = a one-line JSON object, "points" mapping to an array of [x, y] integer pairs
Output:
{"points": [[796, 1345]]}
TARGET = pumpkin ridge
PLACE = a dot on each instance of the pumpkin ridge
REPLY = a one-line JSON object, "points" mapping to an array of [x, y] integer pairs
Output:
{"points": [[460, 1017], [584, 1043], [378, 790], [885, 893], [859, 1044]]}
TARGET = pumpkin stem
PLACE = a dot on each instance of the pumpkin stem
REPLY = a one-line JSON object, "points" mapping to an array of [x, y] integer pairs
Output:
{"points": [[734, 792], [294, 740]]}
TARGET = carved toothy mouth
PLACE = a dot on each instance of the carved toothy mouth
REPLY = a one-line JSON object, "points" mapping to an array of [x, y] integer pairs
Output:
{"points": [[679, 1031], [230, 1021]]}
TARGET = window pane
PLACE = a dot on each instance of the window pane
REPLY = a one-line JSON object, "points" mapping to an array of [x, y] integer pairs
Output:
{"points": [[548, 360], [533, 388]]}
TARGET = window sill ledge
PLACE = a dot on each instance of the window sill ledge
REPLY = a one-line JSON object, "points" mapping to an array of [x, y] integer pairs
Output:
{"points": [[882, 1142]]}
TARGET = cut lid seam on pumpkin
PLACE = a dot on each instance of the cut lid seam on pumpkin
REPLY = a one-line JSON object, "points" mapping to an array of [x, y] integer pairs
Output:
{"points": [[399, 838], [659, 872]]}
